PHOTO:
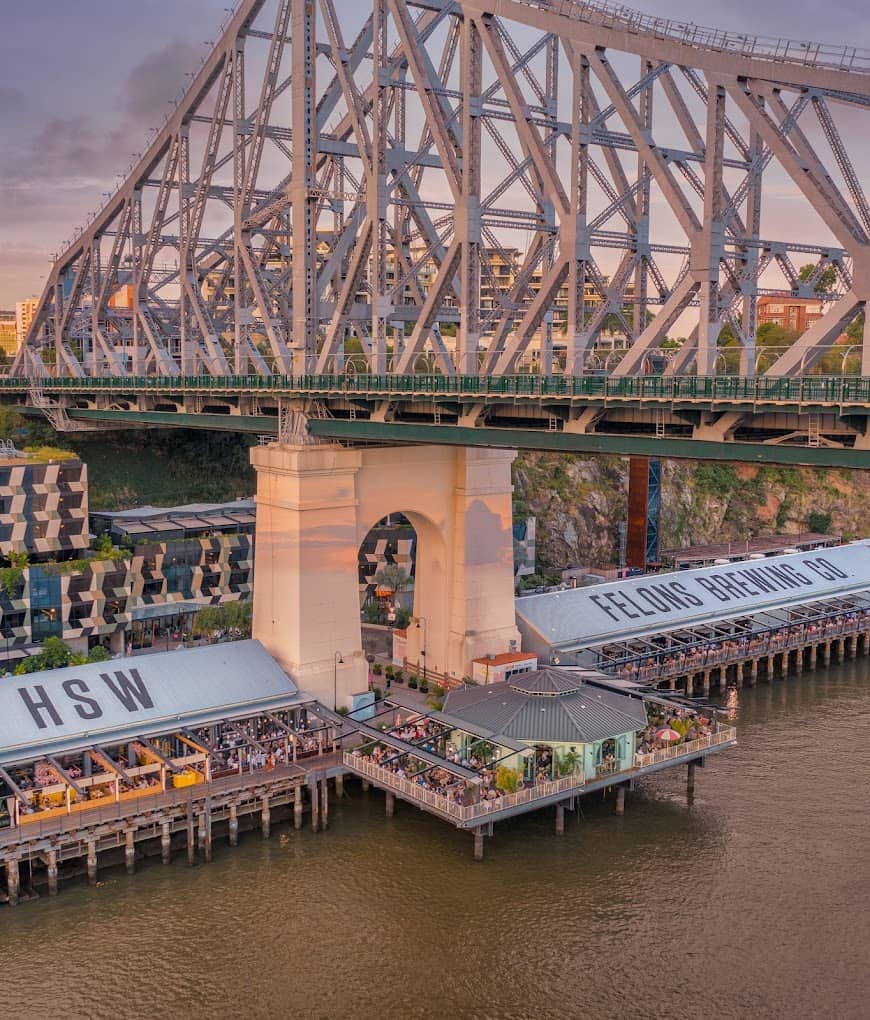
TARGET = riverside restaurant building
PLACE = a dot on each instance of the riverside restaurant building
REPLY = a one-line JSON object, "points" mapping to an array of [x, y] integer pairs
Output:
{"points": [[710, 625], [115, 760], [544, 738]]}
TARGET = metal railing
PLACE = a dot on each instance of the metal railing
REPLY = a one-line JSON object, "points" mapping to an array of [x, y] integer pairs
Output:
{"points": [[754, 47], [725, 735], [816, 390], [772, 642], [460, 812], [31, 826]]}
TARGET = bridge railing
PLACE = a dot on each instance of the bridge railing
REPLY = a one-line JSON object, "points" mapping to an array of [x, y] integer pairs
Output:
{"points": [[805, 390], [789, 51]]}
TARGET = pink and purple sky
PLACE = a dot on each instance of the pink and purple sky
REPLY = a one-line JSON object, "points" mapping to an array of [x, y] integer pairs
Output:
{"points": [[82, 82]]}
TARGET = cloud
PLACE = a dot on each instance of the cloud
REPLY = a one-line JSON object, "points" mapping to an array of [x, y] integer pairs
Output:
{"points": [[156, 80], [57, 168]]}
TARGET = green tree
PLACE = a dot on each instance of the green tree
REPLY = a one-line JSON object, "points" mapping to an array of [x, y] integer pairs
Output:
{"points": [[10, 422], [392, 576], [827, 278]]}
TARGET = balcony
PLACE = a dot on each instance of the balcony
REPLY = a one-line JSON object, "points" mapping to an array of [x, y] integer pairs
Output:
{"points": [[724, 735], [462, 815]]}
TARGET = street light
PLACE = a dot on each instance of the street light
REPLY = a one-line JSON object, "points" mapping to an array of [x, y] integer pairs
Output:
{"points": [[336, 660], [422, 619]]}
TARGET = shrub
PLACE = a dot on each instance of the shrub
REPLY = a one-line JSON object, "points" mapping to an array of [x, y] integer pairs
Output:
{"points": [[412, 683], [379, 694], [424, 687], [377, 669], [399, 676], [819, 521], [390, 671]]}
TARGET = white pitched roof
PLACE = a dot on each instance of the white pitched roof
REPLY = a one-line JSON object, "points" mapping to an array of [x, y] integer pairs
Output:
{"points": [[657, 602], [58, 710]]}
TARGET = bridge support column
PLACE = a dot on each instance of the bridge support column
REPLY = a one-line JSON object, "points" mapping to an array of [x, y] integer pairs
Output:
{"points": [[315, 506]]}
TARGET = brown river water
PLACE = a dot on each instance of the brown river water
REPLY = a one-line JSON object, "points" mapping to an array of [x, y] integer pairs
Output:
{"points": [[753, 901]]}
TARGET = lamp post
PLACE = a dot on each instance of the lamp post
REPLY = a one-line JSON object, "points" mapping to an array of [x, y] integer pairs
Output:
{"points": [[336, 660], [422, 620]]}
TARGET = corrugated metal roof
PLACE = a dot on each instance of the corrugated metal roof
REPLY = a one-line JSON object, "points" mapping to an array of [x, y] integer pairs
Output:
{"points": [[578, 713], [144, 512], [580, 617], [57, 711]]}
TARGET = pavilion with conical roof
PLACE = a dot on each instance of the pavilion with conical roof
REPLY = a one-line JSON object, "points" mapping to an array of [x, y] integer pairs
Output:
{"points": [[558, 712]]}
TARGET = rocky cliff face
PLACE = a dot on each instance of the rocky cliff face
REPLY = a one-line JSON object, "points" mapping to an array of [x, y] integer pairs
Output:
{"points": [[580, 501]]}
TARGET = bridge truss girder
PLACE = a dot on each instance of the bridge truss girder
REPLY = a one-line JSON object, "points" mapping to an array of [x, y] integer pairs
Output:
{"points": [[332, 193]]}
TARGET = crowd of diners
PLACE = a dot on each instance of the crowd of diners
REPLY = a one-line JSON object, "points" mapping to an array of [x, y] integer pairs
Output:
{"points": [[682, 724], [249, 745], [670, 726], [704, 653]]}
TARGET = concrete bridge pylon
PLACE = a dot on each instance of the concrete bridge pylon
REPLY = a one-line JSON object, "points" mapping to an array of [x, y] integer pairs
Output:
{"points": [[315, 506]]}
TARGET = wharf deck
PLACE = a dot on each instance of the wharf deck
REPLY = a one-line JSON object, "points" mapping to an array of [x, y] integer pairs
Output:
{"points": [[66, 835], [472, 816]]}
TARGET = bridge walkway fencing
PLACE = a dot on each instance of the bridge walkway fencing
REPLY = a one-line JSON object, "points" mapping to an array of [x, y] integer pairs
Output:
{"points": [[805, 390]]}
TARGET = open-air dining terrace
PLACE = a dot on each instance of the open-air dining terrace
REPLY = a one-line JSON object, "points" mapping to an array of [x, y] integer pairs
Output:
{"points": [[114, 772], [656, 658], [467, 773]]}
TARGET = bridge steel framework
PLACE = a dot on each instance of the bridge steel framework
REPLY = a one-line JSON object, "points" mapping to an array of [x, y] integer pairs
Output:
{"points": [[343, 186]]}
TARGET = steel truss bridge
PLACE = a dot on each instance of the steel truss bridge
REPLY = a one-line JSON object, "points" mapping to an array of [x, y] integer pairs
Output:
{"points": [[816, 420], [477, 184]]}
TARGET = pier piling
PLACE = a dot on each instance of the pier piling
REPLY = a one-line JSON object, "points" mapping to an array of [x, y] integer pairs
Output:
{"points": [[560, 819], [297, 808], [165, 843], [391, 805], [324, 803], [51, 868], [92, 862], [690, 778], [12, 881], [478, 844], [130, 850], [265, 818], [191, 844], [234, 825], [315, 810], [620, 799]]}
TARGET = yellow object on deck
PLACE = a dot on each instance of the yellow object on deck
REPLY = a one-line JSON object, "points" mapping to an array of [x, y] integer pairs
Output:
{"points": [[188, 778]]}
